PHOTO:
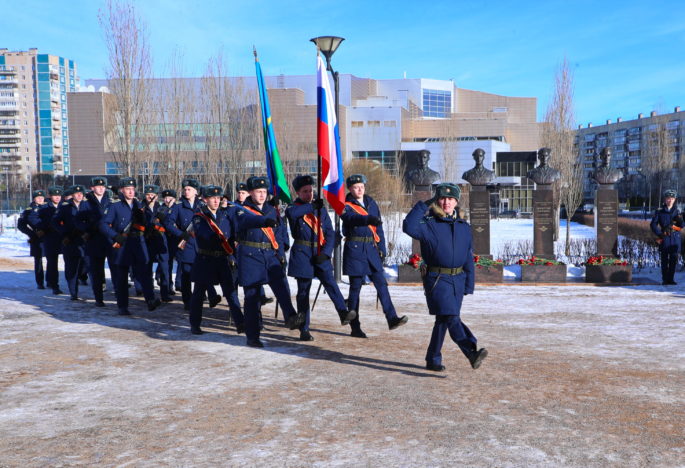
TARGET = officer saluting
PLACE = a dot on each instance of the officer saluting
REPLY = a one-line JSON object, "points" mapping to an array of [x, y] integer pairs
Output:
{"points": [[364, 252], [446, 248], [51, 241], [71, 221], [124, 225], [214, 229], [24, 226], [261, 259], [310, 255]]}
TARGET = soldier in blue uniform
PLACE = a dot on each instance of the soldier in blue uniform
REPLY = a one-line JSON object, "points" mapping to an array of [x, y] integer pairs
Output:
{"points": [[51, 241], [310, 255], [446, 248], [155, 238], [666, 224], [124, 225], [179, 224], [169, 200], [97, 248], [71, 221], [261, 260], [241, 193], [214, 229], [24, 226], [364, 252]]}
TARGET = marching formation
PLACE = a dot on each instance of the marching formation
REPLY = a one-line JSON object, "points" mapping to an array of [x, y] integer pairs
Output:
{"points": [[244, 243]]}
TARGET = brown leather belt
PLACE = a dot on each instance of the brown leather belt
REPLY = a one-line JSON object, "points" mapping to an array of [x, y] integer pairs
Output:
{"points": [[257, 245], [304, 242], [212, 253], [446, 271], [359, 239]]}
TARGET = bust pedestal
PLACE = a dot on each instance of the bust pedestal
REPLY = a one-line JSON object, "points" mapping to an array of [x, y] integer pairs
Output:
{"points": [[543, 222]]}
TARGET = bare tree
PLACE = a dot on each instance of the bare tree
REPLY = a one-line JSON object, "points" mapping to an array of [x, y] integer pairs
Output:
{"points": [[387, 188], [558, 134], [128, 74], [657, 157], [175, 114]]}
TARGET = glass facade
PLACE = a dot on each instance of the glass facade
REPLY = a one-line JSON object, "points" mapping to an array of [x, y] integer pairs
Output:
{"points": [[437, 103], [387, 159], [54, 78], [516, 197]]}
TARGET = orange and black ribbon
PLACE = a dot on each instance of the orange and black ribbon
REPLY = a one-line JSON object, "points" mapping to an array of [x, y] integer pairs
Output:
{"points": [[268, 232], [219, 233], [360, 210]]}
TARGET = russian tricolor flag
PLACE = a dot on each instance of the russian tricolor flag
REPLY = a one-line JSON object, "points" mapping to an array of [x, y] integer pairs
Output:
{"points": [[328, 138]]}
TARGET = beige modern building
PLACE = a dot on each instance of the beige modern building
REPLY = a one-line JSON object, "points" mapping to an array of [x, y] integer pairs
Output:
{"points": [[380, 120], [34, 121]]}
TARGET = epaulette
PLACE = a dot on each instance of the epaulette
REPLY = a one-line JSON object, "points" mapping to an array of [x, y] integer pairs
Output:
{"points": [[116, 201], [64, 203]]}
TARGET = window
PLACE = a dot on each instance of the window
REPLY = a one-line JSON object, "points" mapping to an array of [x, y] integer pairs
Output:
{"points": [[357, 123], [389, 123], [374, 123], [437, 103]]}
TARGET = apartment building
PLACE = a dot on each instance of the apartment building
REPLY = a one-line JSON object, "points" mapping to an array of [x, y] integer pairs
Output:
{"points": [[632, 143], [34, 120]]}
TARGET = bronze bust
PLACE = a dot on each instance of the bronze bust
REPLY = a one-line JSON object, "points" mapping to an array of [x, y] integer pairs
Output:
{"points": [[604, 174], [479, 175], [421, 174], [543, 174]]}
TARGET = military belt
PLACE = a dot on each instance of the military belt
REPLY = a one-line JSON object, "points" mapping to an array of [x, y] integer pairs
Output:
{"points": [[304, 242], [359, 239], [212, 253], [135, 234], [258, 245], [446, 271]]}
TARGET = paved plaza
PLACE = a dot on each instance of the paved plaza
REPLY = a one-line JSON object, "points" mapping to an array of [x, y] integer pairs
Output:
{"points": [[576, 376]]}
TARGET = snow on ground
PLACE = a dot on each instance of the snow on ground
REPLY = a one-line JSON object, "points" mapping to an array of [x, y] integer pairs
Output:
{"points": [[577, 376]]}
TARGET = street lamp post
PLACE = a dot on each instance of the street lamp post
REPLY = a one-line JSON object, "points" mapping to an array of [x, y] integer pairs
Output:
{"points": [[328, 45], [73, 176], [7, 187]]}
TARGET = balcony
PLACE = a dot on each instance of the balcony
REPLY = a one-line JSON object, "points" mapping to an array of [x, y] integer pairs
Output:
{"points": [[10, 142], [12, 82], [8, 131], [4, 70], [12, 126], [10, 156], [10, 165], [55, 117], [57, 144]]}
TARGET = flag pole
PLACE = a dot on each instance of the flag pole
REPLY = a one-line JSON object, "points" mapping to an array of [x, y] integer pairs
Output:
{"points": [[319, 182]]}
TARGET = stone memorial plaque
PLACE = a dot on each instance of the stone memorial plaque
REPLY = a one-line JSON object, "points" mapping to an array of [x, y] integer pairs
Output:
{"points": [[606, 221], [543, 222], [479, 209]]}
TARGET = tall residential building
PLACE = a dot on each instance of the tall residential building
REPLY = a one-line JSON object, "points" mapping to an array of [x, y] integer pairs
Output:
{"points": [[633, 142], [34, 120], [386, 121]]}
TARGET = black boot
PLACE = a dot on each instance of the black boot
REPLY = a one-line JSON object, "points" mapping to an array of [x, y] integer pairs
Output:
{"points": [[153, 304], [346, 316], [397, 322], [476, 357], [306, 336]]}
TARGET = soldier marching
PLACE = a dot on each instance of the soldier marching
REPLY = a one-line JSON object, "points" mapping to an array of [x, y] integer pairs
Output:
{"points": [[243, 242]]}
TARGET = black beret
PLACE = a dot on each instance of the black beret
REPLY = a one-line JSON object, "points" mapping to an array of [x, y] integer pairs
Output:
{"points": [[38, 193], [212, 191], [95, 181], [190, 183], [448, 190], [257, 183], [241, 187], [55, 190], [127, 182], [302, 180], [169, 193], [356, 179], [151, 188], [77, 188]]}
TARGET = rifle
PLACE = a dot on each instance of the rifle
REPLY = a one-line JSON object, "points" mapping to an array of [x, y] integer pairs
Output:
{"points": [[124, 233], [190, 230]]}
